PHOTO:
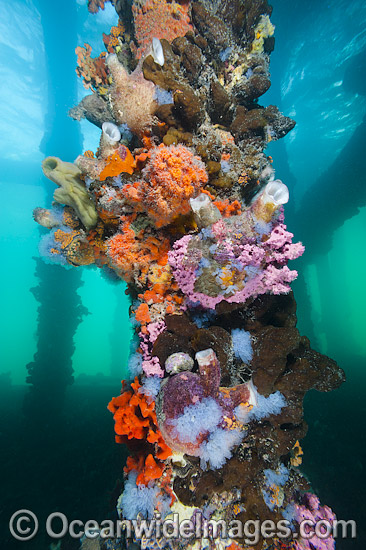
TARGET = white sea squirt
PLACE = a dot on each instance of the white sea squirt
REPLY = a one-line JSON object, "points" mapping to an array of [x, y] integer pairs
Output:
{"points": [[157, 52]]}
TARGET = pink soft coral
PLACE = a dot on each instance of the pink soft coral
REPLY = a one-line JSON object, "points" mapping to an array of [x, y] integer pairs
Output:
{"points": [[236, 264], [310, 510]]}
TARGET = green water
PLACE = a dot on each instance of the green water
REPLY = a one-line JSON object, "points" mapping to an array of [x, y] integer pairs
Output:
{"points": [[335, 283]]}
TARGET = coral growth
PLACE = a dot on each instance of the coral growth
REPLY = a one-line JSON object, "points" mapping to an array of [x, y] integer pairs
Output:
{"points": [[93, 71], [180, 201], [133, 254], [309, 510], [112, 41], [234, 260], [171, 177], [159, 19], [194, 413], [95, 5]]}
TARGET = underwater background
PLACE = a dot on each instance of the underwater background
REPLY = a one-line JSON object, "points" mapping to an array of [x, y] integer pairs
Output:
{"points": [[57, 443]]}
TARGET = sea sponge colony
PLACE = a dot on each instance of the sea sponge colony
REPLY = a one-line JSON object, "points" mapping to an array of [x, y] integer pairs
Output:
{"points": [[180, 200]]}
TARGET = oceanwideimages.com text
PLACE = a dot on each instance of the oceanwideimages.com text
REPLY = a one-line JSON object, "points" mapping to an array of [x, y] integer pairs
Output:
{"points": [[24, 525]]}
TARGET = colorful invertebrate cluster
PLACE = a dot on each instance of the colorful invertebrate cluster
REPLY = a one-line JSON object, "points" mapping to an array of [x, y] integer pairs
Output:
{"points": [[180, 200], [159, 19], [92, 70], [172, 176], [114, 40], [234, 260], [95, 5]]}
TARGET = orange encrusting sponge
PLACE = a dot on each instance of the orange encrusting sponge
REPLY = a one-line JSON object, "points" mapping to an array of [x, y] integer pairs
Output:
{"points": [[135, 418]]}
